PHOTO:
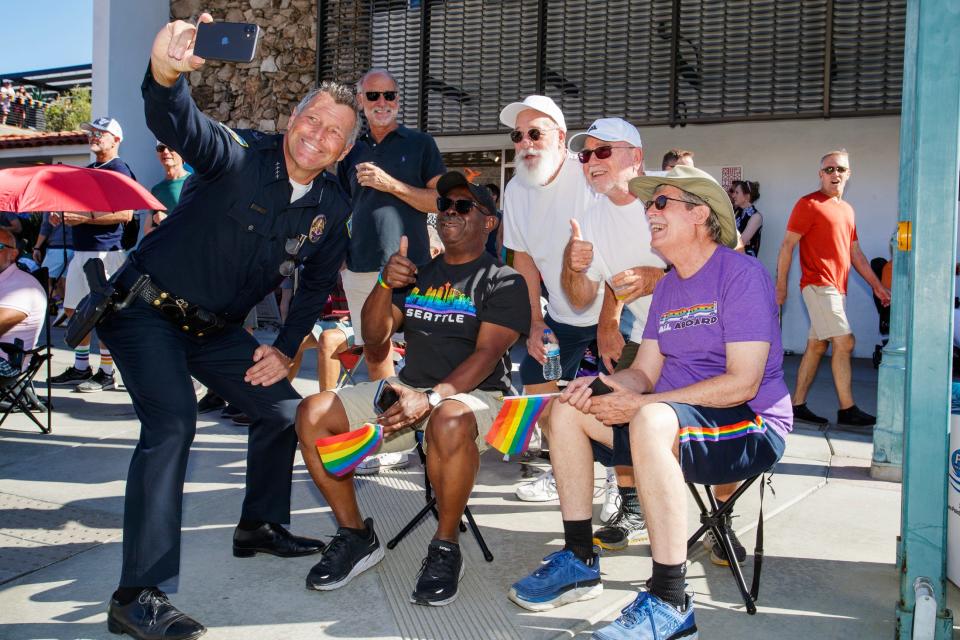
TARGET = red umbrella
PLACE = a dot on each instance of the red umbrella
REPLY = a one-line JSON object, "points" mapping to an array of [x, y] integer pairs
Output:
{"points": [[60, 187]]}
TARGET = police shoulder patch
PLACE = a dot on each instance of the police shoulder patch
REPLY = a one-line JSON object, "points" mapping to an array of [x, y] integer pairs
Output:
{"points": [[236, 136]]}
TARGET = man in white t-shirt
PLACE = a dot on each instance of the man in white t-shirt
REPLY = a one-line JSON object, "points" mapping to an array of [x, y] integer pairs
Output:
{"points": [[23, 302], [547, 191], [609, 251]]}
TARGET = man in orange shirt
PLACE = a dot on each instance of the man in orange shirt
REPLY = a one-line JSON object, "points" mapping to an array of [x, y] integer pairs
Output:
{"points": [[823, 224]]}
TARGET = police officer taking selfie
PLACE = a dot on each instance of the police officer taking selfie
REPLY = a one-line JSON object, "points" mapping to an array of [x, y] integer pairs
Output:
{"points": [[258, 206]]}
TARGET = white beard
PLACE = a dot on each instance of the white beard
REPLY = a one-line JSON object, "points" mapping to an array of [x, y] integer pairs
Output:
{"points": [[547, 164]]}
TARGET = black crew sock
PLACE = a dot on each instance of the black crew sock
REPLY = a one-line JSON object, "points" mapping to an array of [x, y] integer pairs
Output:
{"points": [[578, 538], [629, 499], [126, 595], [668, 582], [250, 525]]}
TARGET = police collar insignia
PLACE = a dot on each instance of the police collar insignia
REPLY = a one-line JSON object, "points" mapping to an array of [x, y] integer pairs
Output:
{"points": [[235, 136], [317, 226]]}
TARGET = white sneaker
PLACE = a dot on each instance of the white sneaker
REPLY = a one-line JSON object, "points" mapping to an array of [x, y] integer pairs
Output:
{"points": [[611, 501], [708, 540], [542, 489], [382, 462]]}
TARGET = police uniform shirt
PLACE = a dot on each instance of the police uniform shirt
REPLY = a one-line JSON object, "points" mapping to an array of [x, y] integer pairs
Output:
{"points": [[222, 246], [379, 218], [102, 237]]}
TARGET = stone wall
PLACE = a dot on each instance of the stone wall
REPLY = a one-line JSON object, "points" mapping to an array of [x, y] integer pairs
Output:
{"points": [[263, 93]]}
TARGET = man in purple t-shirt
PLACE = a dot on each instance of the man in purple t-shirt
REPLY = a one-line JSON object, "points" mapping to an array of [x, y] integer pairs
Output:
{"points": [[704, 401]]}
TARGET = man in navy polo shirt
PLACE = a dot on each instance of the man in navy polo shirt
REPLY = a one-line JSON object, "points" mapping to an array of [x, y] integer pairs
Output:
{"points": [[391, 175], [96, 234]]}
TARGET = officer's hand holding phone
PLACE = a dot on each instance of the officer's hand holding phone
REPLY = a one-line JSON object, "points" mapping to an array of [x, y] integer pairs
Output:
{"points": [[172, 52], [399, 271], [409, 408]]}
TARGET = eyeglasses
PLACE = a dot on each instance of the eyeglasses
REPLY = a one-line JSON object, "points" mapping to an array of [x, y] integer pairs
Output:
{"points": [[292, 247], [534, 134], [373, 96], [603, 152], [660, 202], [96, 134], [162, 147], [460, 207], [831, 170]]}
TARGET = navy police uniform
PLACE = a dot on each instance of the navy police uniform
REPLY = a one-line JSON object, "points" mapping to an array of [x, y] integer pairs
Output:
{"points": [[219, 251]]}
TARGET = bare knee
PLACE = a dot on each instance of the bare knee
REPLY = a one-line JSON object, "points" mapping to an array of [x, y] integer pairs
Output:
{"points": [[818, 347], [320, 415], [843, 344], [654, 429], [452, 426], [331, 342]]}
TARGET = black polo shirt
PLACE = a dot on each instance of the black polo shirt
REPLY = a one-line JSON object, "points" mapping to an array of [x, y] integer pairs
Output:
{"points": [[379, 219]]}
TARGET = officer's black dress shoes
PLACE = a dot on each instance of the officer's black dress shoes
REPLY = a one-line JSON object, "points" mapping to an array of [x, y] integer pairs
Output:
{"points": [[151, 617], [274, 539]]}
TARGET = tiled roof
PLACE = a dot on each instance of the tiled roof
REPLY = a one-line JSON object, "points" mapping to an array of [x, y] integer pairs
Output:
{"points": [[42, 139]]}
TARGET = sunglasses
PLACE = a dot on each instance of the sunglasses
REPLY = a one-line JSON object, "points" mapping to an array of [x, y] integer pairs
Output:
{"points": [[162, 147], [460, 207], [96, 134], [292, 247], [373, 96], [534, 134], [660, 202], [603, 152], [831, 170]]}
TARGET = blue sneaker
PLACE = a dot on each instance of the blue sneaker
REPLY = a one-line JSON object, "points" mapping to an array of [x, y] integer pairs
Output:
{"points": [[562, 578], [650, 618]]}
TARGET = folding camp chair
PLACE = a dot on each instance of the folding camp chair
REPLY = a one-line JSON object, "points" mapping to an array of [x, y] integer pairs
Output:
{"points": [[431, 507], [351, 358], [17, 392], [717, 519]]}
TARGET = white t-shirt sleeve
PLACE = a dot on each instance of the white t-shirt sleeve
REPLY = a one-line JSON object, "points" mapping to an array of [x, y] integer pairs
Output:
{"points": [[513, 227]]}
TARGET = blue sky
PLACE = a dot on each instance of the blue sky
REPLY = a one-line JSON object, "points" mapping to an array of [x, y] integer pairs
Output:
{"points": [[58, 35]]}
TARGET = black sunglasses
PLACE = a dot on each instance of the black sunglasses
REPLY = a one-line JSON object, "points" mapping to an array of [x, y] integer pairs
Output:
{"points": [[292, 247], [660, 202], [830, 170], [603, 152], [162, 147], [373, 96], [460, 207], [534, 134]]}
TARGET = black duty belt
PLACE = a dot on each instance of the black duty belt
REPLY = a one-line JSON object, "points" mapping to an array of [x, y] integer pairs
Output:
{"points": [[190, 318]]}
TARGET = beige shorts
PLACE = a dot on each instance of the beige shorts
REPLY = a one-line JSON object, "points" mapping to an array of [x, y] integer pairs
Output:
{"points": [[827, 308], [357, 402], [76, 286], [357, 287]]}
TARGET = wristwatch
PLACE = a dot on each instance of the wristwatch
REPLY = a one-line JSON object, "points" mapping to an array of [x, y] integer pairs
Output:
{"points": [[433, 398]]}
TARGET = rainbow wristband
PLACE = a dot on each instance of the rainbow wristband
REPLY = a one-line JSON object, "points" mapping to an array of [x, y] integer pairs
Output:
{"points": [[381, 282]]}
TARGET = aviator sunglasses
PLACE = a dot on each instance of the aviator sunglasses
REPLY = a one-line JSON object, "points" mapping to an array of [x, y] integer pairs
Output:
{"points": [[373, 96], [292, 247], [603, 152], [460, 207], [831, 170]]}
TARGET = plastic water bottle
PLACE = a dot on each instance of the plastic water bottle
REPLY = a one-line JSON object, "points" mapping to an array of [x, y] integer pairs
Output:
{"points": [[551, 368]]}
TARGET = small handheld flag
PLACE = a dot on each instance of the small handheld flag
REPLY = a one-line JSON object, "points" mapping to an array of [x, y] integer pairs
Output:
{"points": [[513, 426], [340, 454]]}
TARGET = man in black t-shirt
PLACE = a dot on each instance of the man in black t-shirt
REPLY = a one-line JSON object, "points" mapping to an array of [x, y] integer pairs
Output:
{"points": [[460, 314]]}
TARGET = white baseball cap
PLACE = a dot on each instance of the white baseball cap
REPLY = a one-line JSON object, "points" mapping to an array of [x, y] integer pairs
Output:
{"points": [[543, 104], [608, 130], [104, 124]]}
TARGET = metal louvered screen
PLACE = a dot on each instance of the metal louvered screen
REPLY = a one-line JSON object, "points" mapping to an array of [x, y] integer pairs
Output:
{"points": [[649, 61]]}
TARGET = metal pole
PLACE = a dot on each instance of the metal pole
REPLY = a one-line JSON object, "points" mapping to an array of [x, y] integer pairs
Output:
{"points": [[929, 249]]}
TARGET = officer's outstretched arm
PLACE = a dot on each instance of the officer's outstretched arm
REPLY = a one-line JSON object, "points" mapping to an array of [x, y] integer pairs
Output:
{"points": [[172, 52]]}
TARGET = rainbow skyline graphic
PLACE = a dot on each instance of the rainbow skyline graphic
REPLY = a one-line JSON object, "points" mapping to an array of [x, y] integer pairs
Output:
{"points": [[444, 300]]}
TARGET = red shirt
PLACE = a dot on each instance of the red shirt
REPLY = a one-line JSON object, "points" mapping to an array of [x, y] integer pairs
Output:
{"points": [[827, 232]]}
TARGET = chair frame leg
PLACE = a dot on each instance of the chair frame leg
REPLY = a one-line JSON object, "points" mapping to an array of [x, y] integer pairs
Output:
{"points": [[717, 520]]}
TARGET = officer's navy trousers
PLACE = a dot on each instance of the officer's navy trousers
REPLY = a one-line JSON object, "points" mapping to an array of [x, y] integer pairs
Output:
{"points": [[157, 359]]}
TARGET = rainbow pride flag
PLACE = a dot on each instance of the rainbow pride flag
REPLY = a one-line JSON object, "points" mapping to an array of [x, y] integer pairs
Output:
{"points": [[513, 426], [340, 454]]}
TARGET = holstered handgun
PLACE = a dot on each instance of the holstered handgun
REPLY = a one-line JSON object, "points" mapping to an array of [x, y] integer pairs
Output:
{"points": [[102, 300]]}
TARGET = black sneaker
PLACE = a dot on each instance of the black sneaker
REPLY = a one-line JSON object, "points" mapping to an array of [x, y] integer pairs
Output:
{"points": [[800, 412], [347, 555], [210, 402], [71, 377], [101, 381], [719, 557], [624, 527], [439, 575], [854, 417]]}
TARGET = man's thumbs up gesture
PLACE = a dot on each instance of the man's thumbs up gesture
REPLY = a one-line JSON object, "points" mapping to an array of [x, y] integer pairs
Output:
{"points": [[578, 253], [399, 272]]}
